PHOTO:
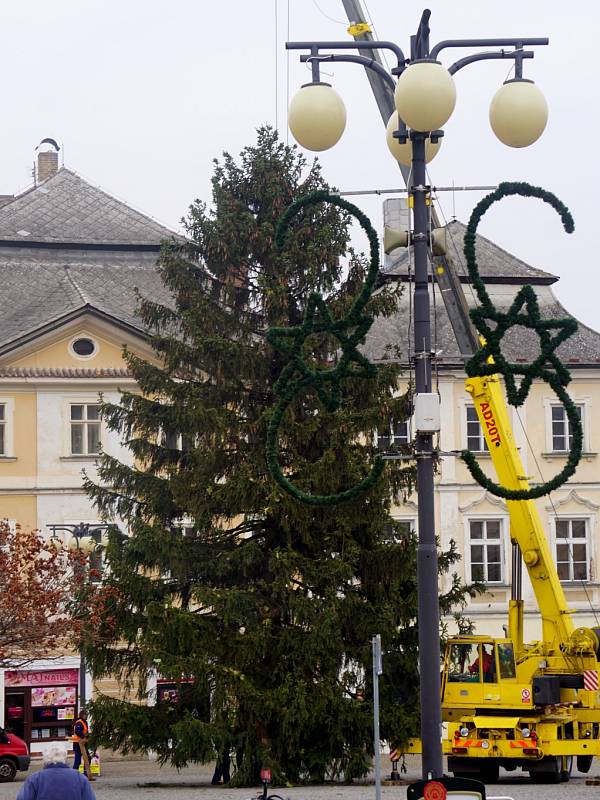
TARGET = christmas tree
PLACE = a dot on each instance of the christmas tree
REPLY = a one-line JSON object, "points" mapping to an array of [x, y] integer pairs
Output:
{"points": [[259, 609]]}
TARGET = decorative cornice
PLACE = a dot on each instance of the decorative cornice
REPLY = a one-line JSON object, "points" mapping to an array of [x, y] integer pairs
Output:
{"points": [[410, 504], [484, 497], [64, 372], [574, 497]]}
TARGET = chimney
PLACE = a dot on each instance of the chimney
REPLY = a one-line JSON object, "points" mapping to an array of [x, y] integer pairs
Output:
{"points": [[47, 160]]}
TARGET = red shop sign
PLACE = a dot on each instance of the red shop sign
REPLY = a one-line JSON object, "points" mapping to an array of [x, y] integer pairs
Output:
{"points": [[48, 677]]}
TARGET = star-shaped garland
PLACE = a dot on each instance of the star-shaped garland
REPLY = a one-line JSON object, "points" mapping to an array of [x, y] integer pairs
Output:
{"points": [[298, 374], [525, 312]]}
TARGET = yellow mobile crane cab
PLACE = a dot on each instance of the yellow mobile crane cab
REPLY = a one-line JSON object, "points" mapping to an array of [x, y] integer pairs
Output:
{"points": [[506, 703]]}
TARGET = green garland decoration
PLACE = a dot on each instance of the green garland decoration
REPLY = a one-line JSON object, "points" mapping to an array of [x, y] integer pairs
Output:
{"points": [[297, 375], [493, 325]]}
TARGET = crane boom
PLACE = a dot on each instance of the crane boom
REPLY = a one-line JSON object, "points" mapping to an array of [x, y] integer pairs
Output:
{"points": [[525, 524], [537, 705]]}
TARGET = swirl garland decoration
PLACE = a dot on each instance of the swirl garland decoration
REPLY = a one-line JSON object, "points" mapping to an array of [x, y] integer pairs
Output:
{"points": [[524, 311], [297, 375]]}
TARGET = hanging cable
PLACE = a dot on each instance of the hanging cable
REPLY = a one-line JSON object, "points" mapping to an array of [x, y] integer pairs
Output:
{"points": [[375, 36], [287, 77], [331, 19], [410, 278], [459, 258], [555, 513], [458, 255], [434, 299], [276, 68]]}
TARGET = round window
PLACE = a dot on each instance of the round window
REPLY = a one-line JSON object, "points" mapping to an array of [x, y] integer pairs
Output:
{"points": [[84, 347]]}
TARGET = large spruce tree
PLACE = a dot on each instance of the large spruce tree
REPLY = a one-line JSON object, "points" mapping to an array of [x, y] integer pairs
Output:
{"points": [[260, 608]]}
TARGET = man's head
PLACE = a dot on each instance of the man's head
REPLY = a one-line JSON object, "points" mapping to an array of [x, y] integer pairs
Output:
{"points": [[83, 713], [55, 753]]}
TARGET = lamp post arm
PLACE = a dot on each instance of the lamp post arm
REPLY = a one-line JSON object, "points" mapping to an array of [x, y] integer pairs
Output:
{"points": [[351, 46], [463, 62], [419, 43], [367, 63], [514, 42]]}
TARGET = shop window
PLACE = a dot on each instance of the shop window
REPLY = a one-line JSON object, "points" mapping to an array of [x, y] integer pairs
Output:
{"points": [[40, 706], [186, 695]]}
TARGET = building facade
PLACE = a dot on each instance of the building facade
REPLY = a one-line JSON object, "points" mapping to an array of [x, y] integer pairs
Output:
{"points": [[465, 512], [71, 261]]}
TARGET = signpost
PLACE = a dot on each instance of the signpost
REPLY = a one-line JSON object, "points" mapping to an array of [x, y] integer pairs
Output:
{"points": [[377, 671]]}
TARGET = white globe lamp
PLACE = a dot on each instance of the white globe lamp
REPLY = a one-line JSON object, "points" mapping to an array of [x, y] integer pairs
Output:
{"points": [[403, 152], [425, 95], [518, 113], [317, 116]]}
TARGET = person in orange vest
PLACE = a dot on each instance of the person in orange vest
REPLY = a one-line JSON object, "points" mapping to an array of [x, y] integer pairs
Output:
{"points": [[80, 738]]}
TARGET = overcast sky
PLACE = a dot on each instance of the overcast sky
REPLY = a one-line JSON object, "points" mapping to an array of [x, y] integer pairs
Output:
{"points": [[143, 94]]}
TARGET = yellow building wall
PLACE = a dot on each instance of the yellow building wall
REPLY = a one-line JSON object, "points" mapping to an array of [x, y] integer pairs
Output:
{"points": [[21, 508], [24, 435], [108, 355]]}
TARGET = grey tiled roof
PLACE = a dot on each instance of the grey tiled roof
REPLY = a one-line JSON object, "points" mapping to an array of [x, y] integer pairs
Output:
{"points": [[504, 275], [580, 350], [494, 262], [40, 286], [65, 208]]}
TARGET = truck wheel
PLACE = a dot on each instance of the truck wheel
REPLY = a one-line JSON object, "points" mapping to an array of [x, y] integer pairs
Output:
{"points": [[584, 763], [8, 770], [550, 773], [489, 773]]}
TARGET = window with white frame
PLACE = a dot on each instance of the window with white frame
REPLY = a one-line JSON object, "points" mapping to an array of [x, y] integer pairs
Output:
{"points": [[177, 441], [572, 549], [486, 550], [398, 531], [475, 439], [85, 429], [396, 434], [562, 436], [3, 421]]}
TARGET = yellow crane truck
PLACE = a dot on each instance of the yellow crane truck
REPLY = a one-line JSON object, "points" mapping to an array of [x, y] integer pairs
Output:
{"points": [[509, 703]]}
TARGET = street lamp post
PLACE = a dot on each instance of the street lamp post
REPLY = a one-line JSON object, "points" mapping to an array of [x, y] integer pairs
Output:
{"points": [[85, 538], [424, 98]]}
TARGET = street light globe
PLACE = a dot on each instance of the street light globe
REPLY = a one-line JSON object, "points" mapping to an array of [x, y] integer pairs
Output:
{"points": [[87, 544], [403, 152], [425, 95], [317, 116], [518, 113]]}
